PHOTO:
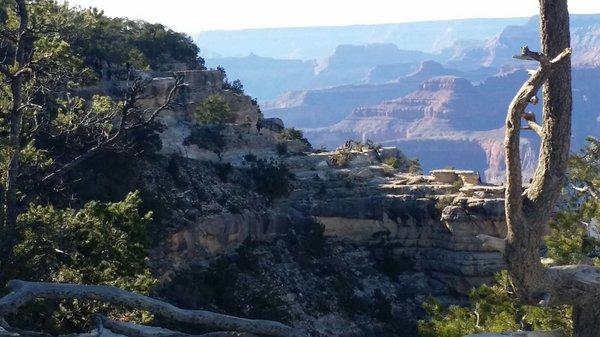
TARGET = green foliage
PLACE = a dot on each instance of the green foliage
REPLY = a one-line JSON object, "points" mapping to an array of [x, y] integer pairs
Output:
{"points": [[393, 162], [293, 134], [494, 308], [214, 110], [100, 40], [207, 137], [341, 158], [272, 179], [414, 166], [236, 86], [457, 185], [103, 243]]}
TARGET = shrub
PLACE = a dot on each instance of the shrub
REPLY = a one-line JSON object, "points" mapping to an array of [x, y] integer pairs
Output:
{"points": [[103, 243], [457, 185], [341, 158], [494, 308], [282, 149], [236, 86], [206, 137], [293, 134], [393, 162], [313, 239], [214, 110], [414, 166], [272, 179]]}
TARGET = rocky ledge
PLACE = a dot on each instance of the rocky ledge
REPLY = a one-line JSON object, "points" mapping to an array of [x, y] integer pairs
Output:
{"points": [[353, 249]]}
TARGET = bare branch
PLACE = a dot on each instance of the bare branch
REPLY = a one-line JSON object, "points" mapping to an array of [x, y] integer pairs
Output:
{"points": [[179, 83], [588, 188], [23, 292], [531, 122], [137, 330], [529, 55], [122, 126]]}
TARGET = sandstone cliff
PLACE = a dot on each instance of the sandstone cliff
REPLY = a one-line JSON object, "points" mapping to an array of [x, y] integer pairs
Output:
{"points": [[349, 251]]}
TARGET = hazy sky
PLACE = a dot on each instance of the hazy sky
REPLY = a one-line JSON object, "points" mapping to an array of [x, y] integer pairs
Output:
{"points": [[193, 16]]}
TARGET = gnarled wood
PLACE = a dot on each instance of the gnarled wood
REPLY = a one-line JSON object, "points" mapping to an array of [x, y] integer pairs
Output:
{"points": [[137, 330], [22, 292], [528, 214]]}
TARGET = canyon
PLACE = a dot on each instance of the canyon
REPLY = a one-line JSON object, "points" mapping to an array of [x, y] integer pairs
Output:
{"points": [[375, 240], [386, 92]]}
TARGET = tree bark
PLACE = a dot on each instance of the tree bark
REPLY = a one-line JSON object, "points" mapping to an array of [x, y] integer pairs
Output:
{"points": [[22, 292], [528, 213], [21, 60], [586, 320]]}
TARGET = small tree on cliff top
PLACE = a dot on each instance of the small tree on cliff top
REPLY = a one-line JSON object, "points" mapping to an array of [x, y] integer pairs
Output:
{"points": [[214, 110]]}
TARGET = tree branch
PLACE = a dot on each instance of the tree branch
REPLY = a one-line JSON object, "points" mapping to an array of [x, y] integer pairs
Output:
{"points": [[122, 127], [531, 122], [137, 330], [23, 292]]}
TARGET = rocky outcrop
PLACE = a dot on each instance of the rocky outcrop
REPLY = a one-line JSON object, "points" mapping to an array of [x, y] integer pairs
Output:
{"points": [[353, 249]]}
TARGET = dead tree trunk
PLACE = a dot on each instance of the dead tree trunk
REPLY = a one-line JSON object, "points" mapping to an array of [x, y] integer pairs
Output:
{"points": [[528, 213], [22, 292]]}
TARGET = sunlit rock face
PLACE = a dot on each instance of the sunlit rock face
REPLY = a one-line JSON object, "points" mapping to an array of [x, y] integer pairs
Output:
{"points": [[389, 241]]}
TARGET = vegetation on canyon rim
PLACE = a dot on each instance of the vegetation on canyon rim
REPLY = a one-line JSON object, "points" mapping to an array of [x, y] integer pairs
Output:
{"points": [[48, 134], [496, 307], [50, 50]]}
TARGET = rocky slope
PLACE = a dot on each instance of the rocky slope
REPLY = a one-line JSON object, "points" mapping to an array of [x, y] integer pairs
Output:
{"points": [[352, 248]]}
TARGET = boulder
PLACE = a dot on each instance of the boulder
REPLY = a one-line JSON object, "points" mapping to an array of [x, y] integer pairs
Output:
{"points": [[445, 176], [273, 124], [364, 174], [469, 177]]}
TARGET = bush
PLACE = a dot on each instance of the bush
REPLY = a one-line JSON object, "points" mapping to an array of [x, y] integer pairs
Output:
{"points": [[313, 239], [237, 86], [103, 243], [393, 162], [293, 134], [341, 158], [206, 137], [494, 308], [214, 110], [282, 149], [271, 179], [414, 166]]}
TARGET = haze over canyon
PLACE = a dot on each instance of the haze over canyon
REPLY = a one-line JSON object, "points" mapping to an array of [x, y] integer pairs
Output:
{"points": [[438, 90]]}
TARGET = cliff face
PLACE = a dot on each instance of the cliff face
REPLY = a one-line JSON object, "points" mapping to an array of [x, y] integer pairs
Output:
{"points": [[444, 123], [350, 251], [324, 107]]}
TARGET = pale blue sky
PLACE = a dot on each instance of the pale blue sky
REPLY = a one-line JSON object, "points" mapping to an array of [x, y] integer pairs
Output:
{"points": [[193, 16]]}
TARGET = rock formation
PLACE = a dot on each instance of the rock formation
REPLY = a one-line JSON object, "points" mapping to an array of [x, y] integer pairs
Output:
{"points": [[353, 249]]}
